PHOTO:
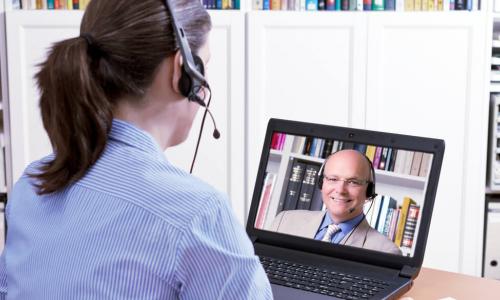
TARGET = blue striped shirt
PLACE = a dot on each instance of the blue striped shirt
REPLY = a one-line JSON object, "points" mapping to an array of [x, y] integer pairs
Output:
{"points": [[134, 227]]}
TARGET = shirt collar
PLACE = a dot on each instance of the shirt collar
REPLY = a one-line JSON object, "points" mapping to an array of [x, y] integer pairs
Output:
{"points": [[344, 226], [132, 135]]}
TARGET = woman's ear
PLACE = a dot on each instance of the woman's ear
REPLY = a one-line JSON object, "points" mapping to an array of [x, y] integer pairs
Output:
{"points": [[177, 71]]}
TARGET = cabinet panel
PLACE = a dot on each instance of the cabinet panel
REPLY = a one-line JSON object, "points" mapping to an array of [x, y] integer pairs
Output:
{"points": [[303, 68], [425, 77]]}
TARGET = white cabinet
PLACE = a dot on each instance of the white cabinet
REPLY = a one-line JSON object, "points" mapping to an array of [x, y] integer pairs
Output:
{"points": [[30, 33], [411, 73], [426, 77]]}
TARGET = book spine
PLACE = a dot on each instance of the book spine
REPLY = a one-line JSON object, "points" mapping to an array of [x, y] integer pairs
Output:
{"points": [[411, 224], [294, 183], [407, 201], [383, 159], [376, 158], [415, 165], [367, 4], [308, 186]]}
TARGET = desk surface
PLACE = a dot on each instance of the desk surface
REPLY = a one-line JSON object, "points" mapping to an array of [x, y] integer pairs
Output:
{"points": [[435, 284]]}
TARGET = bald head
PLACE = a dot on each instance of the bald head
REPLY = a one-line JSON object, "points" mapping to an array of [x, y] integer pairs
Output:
{"points": [[353, 160]]}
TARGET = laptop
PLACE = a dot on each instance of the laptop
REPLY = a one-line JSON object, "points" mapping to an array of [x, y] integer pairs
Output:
{"points": [[383, 263]]}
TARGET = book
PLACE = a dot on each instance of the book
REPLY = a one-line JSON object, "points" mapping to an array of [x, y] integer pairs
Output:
{"points": [[387, 204], [403, 212], [376, 158], [293, 188], [408, 163], [367, 4], [298, 144], [307, 145], [330, 5], [415, 164], [377, 203], [394, 224], [394, 156], [361, 148], [409, 5], [425, 165], [390, 5], [383, 158], [377, 4], [370, 152], [327, 149], [311, 4], [308, 186], [265, 198], [410, 226], [400, 161], [388, 159], [388, 220]]}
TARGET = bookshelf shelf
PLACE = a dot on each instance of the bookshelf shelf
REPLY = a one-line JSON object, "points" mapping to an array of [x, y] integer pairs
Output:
{"points": [[410, 181]]}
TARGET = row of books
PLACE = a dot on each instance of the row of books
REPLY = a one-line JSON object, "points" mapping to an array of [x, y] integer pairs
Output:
{"points": [[383, 158], [367, 5], [221, 4], [50, 4], [398, 223]]}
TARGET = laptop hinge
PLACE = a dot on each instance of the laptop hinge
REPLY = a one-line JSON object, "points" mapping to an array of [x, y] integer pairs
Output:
{"points": [[408, 272]]}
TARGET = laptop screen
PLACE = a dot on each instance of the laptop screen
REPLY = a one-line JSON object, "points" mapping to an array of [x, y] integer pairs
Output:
{"points": [[349, 187]]}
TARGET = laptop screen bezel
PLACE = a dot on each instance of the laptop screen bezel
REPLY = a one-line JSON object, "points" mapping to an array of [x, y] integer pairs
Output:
{"points": [[405, 142]]}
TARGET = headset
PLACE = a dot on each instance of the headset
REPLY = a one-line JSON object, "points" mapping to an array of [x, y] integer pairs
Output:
{"points": [[192, 79], [370, 188]]}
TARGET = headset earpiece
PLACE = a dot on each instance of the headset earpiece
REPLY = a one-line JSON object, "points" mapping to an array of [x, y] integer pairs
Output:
{"points": [[188, 84]]}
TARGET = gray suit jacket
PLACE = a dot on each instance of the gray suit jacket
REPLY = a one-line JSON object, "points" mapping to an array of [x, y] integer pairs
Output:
{"points": [[305, 223]]}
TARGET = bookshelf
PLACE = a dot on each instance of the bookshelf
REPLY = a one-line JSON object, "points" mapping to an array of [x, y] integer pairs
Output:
{"points": [[418, 73]]}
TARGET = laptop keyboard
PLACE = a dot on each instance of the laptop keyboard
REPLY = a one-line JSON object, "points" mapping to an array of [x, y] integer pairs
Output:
{"points": [[321, 281]]}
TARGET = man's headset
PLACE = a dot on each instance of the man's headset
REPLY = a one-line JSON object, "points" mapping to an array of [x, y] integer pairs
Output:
{"points": [[370, 188], [192, 79]]}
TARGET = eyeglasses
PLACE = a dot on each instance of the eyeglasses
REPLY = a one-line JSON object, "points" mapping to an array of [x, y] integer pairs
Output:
{"points": [[351, 182]]}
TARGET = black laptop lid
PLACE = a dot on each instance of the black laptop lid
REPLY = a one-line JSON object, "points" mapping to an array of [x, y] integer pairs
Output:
{"points": [[406, 172]]}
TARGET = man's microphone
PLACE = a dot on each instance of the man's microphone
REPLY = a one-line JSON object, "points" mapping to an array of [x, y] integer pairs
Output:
{"points": [[351, 210]]}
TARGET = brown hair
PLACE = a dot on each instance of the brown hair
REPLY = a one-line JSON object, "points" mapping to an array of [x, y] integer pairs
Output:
{"points": [[122, 43]]}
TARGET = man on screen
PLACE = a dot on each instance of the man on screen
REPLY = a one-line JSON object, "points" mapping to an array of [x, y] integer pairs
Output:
{"points": [[347, 182]]}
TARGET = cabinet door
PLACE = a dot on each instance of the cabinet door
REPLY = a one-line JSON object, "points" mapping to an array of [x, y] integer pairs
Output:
{"points": [[303, 66], [30, 33], [425, 76]]}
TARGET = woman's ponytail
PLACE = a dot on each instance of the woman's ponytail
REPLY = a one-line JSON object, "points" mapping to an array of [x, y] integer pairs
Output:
{"points": [[75, 112]]}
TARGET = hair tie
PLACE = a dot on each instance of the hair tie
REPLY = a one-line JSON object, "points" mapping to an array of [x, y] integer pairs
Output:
{"points": [[88, 38], [93, 48]]}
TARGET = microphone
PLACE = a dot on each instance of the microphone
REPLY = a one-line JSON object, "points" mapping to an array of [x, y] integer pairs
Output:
{"points": [[351, 210], [216, 133]]}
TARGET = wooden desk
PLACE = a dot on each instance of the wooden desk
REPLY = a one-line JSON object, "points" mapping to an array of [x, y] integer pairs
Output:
{"points": [[435, 284]]}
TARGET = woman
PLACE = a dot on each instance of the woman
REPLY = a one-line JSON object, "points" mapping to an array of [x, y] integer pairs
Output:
{"points": [[107, 216]]}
